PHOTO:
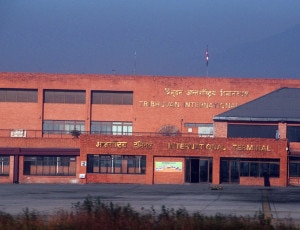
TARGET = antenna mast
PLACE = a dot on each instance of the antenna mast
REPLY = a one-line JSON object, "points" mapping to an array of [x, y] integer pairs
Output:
{"points": [[134, 67], [206, 57]]}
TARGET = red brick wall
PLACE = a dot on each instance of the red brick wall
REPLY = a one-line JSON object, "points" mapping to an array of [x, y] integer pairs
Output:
{"points": [[220, 129], [116, 178], [294, 181], [65, 112], [216, 148], [157, 101], [112, 113], [20, 116], [19, 142], [153, 106]]}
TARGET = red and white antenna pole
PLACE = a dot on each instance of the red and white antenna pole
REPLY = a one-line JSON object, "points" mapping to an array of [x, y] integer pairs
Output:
{"points": [[206, 57]]}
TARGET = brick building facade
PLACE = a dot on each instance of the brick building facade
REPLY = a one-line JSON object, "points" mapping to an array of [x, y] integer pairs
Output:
{"points": [[68, 128]]}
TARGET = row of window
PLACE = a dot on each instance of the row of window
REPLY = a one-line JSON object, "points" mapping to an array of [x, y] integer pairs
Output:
{"points": [[111, 128], [67, 96], [259, 168], [262, 131], [97, 127], [62, 127], [100, 127], [116, 164], [66, 166], [50, 166]]}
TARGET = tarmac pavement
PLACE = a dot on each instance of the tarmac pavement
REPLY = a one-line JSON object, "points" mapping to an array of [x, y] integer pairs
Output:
{"points": [[274, 202]]}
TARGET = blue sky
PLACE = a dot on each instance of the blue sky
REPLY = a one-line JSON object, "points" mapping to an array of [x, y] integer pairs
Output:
{"points": [[168, 37]]}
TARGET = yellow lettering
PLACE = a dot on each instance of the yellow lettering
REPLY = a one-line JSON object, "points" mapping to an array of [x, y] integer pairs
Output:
{"points": [[249, 147]]}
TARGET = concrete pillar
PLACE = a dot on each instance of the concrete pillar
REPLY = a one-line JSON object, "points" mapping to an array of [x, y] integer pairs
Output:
{"points": [[282, 127], [216, 170]]}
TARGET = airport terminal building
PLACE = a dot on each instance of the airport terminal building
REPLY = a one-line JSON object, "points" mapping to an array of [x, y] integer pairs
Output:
{"points": [[81, 128]]}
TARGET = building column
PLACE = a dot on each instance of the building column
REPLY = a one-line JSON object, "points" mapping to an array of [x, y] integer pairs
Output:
{"points": [[282, 128], [216, 170], [150, 169], [88, 111]]}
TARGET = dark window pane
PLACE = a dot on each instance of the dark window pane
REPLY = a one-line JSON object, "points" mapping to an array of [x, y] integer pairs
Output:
{"points": [[106, 98], [70, 99], [32, 96], [244, 169], [293, 133], [18, 95], [96, 98], [128, 99], [11, 96], [90, 164], [64, 96], [274, 170], [249, 131], [254, 169], [21, 96], [294, 172], [264, 169], [112, 97]]}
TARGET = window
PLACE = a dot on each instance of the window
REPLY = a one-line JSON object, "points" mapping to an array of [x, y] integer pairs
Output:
{"points": [[4, 165], [50, 165], [18, 95], [294, 167], [293, 133], [111, 127], [62, 127], [254, 169], [244, 168], [112, 97], [249, 131], [116, 164], [259, 167], [64, 96], [204, 130]]}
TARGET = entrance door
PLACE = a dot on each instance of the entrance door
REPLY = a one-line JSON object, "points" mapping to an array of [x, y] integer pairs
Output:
{"points": [[234, 171], [204, 171], [198, 170], [195, 171], [229, 172]]}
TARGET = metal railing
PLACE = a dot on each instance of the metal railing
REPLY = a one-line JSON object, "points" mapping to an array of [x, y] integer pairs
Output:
{"points": [[20, 133]]}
